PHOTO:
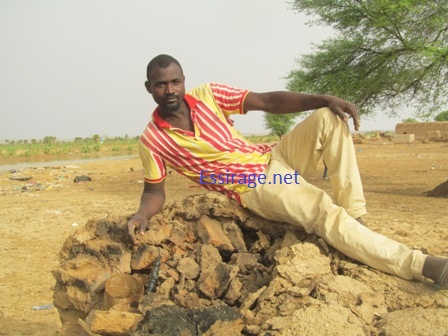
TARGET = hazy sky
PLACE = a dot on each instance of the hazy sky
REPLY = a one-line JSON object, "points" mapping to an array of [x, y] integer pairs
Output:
{"points": [[77, 68]]}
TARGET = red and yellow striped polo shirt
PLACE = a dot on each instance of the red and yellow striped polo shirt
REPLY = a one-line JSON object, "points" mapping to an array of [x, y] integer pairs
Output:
{"points": [[215, 146]]}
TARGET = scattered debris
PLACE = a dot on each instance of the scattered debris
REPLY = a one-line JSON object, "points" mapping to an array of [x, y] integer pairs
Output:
{"points": [[154, 275], [20, 178], [43, 307], [82, 178]]}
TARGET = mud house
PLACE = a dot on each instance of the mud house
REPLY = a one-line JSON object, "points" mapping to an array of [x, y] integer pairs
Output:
{"points": [[437, 130]]}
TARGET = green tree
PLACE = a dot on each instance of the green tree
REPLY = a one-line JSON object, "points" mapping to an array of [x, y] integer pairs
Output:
{"points": [[49, 140], [442, 116], [410, 120], [279, 124], [96, 138], [387, 53]]}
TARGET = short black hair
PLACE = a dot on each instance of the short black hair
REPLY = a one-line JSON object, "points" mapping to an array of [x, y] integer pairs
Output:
{"points": [[161, 61]]}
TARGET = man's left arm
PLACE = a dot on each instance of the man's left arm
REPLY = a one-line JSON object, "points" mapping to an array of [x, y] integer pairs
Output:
{"points": [[282, 102]]}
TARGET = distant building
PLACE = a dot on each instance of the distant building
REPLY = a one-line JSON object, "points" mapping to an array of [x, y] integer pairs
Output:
{"points": [[437, 130]]}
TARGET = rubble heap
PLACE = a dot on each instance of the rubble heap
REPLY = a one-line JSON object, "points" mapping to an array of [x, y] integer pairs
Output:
{"points": [[209, 267]]}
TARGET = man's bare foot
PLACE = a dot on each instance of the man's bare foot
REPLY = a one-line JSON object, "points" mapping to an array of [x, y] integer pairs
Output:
{"points": [[436, 269]]}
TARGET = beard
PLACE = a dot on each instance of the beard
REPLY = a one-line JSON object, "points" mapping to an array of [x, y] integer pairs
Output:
{"points": [[170, 107]]}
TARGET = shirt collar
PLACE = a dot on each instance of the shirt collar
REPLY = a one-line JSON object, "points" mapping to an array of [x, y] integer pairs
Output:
{"points": [[189, 100]]}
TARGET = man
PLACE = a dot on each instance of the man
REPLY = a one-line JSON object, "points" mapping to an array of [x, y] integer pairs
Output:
{"points": [[192, 133]]}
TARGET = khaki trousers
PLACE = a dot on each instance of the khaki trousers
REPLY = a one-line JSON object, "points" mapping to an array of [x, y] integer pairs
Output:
{"points": [[323, 135]]}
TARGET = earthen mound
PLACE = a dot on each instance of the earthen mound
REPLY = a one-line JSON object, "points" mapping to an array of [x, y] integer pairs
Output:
{"points": [[217, 269], [440, 191]]}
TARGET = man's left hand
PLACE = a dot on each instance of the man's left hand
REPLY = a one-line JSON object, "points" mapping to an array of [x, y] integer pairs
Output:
{"points": [[342, 108]]}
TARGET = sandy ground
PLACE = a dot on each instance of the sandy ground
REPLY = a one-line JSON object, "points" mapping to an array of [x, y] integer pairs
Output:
{"points": [[38, 215]]}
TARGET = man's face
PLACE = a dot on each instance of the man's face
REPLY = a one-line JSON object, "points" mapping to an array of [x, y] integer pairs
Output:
{"points": [[167, 86]]}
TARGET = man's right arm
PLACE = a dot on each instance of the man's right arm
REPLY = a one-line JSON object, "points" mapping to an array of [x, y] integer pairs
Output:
{"points": [[151, 202]]}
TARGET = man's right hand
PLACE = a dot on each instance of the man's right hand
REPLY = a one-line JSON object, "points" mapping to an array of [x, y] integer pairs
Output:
{"points": [[138, 222]]}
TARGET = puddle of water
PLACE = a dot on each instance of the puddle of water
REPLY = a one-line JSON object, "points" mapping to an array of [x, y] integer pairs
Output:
{"points": [[28, 164]]}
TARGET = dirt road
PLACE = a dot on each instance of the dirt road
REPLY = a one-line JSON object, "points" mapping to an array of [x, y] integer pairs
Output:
{"points": [[39, 214]]}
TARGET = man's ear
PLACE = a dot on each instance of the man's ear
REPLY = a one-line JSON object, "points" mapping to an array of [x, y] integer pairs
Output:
{"points": [[148, 87]]}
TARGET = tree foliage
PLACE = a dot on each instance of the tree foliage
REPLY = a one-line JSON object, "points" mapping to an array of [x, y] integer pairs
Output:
{"points": [[387, 53], [49, 140], [410, 120], [442, 116], [279, 124]]}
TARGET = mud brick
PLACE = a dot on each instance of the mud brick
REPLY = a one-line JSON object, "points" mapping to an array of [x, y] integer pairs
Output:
{"points": [[233, 231], [144, 257], [251, 298], [60, 298], [245, 261], [178, 234], [225, 328], [112, 322], [210, 231], [171, 273], [262, 243], [189, 268], [189, 300], [85, 271], [80, 300], [233, 292], [177, 253], [158, 232], [124, 264], [166, 287], [404, 138], [208, 256], [273, 229], [69, 319], [214, 282]]}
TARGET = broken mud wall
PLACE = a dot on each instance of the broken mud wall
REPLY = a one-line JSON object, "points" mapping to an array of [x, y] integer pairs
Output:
{"points": [[436, 130], [217, 269]]}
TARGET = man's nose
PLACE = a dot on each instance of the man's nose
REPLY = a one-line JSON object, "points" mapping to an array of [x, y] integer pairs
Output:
{"points": [[169, 88]]}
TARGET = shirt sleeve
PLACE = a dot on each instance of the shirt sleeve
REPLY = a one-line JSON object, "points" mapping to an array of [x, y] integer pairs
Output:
{"points": [[229, 99], [221, 98], [153, 165]]}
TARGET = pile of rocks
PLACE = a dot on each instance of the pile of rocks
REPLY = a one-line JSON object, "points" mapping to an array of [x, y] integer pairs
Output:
{"points": [[223, 271]]}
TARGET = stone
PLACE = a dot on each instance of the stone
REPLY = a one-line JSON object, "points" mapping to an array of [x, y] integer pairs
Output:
{"points": [[145, 256], [251, 298], [189, 268], [112, 322], [208, 256], [211, 232], [87, 272], [300, 263], [233, 292], [245, 261], [233, 231], [213, 282]]}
